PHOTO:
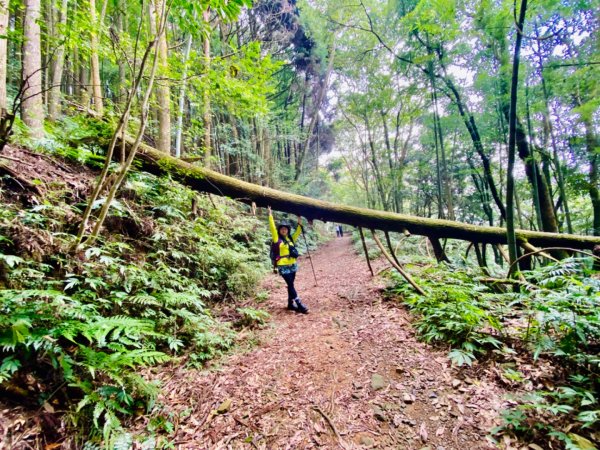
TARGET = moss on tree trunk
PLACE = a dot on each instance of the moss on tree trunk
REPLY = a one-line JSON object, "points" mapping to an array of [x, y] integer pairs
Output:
{"points": [[204, 180]]}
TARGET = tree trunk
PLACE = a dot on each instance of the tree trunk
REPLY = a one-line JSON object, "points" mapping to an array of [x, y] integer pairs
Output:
{"points": [[205, 180], [593, 149], [512, 138], [235, 169], [32, 106], [375, 165], [118, 138], [122, 18], [535, 189], [15, 48], [442, 171], [317, 108], [163, 91], [57, 68], [3, 54], [96, 88], [401, 160], [366, 250], [391, 162], [532, 169], [536, 178], [549, 136], [482, 189], [180, 109], [318, 150], [446, 178], [84, 84], [206, 95], [471, 126], [438, 171], [48, 19], [438, 250]]}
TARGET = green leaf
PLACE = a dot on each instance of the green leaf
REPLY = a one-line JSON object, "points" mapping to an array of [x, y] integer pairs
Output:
{"points": [[581, 443], [461, 357], [11, 260]]}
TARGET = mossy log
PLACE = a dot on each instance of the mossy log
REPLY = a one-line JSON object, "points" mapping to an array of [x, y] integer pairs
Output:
{"points": [[204, 180]]}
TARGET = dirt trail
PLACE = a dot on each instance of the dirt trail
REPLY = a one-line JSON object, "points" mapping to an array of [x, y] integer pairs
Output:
{"points": [[351, 374]]}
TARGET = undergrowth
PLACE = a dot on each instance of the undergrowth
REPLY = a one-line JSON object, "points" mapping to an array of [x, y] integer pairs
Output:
{"points": [[76, 328], [545, 338]]}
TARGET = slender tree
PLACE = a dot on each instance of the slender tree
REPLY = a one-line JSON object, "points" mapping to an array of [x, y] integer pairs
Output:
{"points": [[316, 109], [96, 82], [512, 138], [3, 53], [592, 144], [181, 102], [58, 65], [163, 90], [32, 106], [206, 113]]}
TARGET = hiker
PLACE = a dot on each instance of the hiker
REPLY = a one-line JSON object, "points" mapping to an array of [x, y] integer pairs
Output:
{"points": [[284, 254]]}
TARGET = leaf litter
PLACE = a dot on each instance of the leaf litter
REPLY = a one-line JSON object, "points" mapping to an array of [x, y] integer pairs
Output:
{"points": [[351, 374]]}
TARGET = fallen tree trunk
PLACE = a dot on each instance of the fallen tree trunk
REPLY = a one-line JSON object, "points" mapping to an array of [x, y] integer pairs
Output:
{"points": [[205, 180]]}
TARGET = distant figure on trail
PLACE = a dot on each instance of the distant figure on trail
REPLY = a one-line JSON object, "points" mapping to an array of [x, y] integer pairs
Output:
{"points": [[339, 231], [284, 254]]}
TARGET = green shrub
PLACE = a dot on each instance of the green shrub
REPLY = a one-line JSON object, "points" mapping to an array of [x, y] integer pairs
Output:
{"points": [[454, 312], [556, 318]]}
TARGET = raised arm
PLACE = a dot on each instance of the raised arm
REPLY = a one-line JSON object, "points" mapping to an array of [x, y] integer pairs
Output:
{"points": [[298, 230], [272, 227]]}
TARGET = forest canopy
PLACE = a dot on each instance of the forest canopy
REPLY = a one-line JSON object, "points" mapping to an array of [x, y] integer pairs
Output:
{"points": [[400, 105]]}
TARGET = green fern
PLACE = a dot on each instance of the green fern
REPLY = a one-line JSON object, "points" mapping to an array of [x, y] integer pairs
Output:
{"points": [[252, 317], [93, 320]]}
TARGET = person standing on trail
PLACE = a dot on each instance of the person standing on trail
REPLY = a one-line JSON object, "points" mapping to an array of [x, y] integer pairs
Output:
{"points": [[284, 253]]}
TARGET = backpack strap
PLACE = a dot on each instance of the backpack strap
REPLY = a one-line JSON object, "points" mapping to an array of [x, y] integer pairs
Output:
{"points": [[275, 256]]}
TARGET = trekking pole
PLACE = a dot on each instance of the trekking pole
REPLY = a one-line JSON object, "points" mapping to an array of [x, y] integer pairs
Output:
{"points": [[309, 257]]}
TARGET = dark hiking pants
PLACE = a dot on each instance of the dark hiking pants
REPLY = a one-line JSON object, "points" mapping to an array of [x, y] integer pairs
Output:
{"points": [[289, 280]]}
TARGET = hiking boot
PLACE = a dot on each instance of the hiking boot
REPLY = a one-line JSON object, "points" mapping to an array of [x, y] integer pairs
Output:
{"points": [[300, 306], [291, 306]]}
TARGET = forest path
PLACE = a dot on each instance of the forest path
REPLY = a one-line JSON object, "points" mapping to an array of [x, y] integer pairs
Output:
{"points": [[353, 361]]}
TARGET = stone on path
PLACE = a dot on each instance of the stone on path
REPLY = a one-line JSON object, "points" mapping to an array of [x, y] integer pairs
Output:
{"points": [[377, 382], [368, 441], [379, 413], [408, 398]]}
